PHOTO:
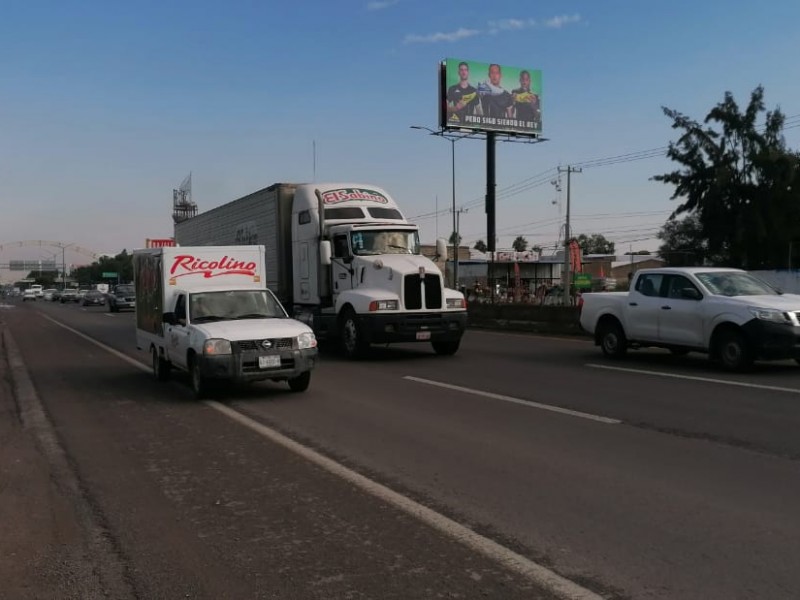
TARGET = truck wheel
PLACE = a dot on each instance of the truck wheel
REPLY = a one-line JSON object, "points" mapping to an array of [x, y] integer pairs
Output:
{"points": [[300, 383], [161, 368], [612, 340], [352, 337], [732, 351], [446, 348], [200, 385]]}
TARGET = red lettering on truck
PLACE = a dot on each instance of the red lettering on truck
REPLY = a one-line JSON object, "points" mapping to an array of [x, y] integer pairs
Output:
{"points": [[187, 264]]}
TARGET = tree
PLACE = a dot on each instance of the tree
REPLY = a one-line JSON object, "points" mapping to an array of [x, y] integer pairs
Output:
{"points": [[740, 180], [683, 243], [595, 243], [122, 264], [520, 244], [455, 239], [481, 246]]}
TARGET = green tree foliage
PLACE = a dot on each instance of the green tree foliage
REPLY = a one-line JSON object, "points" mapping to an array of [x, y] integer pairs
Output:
{"points": [[739, 179], [481, 246], [121, 263], [455, 238], [683, 244], [595, 243], [520, 244]]}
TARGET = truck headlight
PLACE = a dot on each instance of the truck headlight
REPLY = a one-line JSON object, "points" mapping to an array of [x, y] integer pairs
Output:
{"points": [[456, 303], [306, 340], [383, 305], [770, 314], [216, 346]]}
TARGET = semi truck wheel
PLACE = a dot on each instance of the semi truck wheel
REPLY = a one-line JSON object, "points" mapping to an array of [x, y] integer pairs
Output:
{"points": [[300, 383], [351, 335]]}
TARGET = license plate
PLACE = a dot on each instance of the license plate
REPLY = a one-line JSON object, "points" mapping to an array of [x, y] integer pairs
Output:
{"points": [[423, 335], [266, 362]]}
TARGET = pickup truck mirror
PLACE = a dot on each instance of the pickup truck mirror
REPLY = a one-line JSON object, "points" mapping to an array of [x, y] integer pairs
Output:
{"points": [[169, 318], [325, 252], [691, 294]]}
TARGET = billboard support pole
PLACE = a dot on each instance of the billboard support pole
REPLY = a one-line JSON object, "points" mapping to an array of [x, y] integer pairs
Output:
{"points": [[491, 179]]}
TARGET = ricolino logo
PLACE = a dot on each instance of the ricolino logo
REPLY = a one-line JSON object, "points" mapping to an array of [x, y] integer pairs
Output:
{"points": [[186, 264]]}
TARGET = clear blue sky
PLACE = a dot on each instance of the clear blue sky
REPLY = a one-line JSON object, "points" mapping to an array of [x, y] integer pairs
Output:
{"points": [[105, 107]]}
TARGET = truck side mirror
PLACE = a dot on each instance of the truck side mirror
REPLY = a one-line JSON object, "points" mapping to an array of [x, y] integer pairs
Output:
{"points": [[169, 318], [441, 248], [691, 294], [325, 252]]}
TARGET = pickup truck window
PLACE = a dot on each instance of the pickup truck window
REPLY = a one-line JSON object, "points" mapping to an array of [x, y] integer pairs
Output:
{"points": [[180, 308], [650, 284], [735, 283]]}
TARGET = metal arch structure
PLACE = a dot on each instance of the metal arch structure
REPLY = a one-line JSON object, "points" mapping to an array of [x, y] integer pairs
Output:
{"points": [[45, 243]]}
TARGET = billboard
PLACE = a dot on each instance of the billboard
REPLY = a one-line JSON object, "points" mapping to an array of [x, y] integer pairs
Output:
{"points": [[32, 265], [490, 97]]}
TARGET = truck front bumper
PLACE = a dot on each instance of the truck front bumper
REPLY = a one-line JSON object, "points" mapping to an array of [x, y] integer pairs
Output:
{"points": [[773, 341], [414, 327], [244, 366]]}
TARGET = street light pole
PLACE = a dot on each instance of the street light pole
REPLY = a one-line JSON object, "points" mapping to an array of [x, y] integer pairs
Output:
{"points": [[452, 141]]}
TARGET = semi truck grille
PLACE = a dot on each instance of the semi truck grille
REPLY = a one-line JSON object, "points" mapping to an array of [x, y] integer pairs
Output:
{"points": [[273, 344], [412, 294]]}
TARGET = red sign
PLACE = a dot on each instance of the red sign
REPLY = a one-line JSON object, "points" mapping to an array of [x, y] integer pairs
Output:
{"points": [[159, 243], [191, 265]]}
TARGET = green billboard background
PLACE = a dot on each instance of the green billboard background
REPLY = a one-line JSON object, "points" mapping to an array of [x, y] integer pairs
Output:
{"points": [[484, 114]]}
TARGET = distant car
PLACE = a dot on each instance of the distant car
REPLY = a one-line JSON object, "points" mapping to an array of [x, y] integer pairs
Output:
{"points": [[29, 295], [48, 294], [69, 296], [121, 296], [93, 298]]}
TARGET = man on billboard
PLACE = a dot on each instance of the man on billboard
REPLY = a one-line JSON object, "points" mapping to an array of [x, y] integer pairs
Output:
{"points": [[496, 101], [462, 98], [526, 103]]}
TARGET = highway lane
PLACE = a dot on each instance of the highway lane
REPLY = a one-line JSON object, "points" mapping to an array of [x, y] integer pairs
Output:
{"points": [[197, 506], [626, 506]]}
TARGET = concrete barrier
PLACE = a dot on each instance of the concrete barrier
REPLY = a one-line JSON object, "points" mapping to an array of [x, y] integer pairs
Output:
{"points": [[525, 317]]}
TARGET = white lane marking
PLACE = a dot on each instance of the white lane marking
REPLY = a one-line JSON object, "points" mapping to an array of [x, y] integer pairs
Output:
{"points": [[533, 571], [744, 384], [109, 315], [529, 569], [117, 353], [528, 403]]}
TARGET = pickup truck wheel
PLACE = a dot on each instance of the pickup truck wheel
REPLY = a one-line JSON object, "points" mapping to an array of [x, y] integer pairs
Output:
{"points": [[300, 383], [200, 385], [612, 340], [732, 351], [352, 337], [446, 348], [161, 367]]}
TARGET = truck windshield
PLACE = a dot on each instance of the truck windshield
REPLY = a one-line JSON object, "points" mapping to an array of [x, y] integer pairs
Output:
{"points": [[735, 284], [385, 241], [234, 304]]}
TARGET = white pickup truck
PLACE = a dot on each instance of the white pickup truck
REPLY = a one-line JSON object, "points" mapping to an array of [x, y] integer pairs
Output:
{"points": [[729, 314]]}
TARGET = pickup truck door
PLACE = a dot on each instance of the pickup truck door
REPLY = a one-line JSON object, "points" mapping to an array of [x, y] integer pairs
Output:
{"points": [[681, 315], [644, 307], [177, 335]]}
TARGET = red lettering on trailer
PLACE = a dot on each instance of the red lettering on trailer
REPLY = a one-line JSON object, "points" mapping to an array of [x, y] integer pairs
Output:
{"points": [[187, 264]]}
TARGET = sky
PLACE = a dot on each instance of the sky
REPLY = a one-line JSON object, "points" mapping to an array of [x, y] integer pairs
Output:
{"points": [[105, 107]]}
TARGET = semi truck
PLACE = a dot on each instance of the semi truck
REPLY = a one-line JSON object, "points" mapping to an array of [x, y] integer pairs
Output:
{"points": [[207, 311], [343, 259]]}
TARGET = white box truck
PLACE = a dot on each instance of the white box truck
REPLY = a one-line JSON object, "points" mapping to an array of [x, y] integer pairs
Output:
{"points": [[342, 258], [207, 311]]}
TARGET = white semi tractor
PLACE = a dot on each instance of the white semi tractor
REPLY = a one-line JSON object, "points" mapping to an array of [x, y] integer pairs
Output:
{"points": [[342, 258]]}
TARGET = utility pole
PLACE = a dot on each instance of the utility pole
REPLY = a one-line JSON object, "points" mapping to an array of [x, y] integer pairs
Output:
{"points": [[456, 236], [569, 170]]}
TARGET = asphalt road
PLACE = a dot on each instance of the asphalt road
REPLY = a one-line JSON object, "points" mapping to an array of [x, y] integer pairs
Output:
{"points": [[655, 477]]}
